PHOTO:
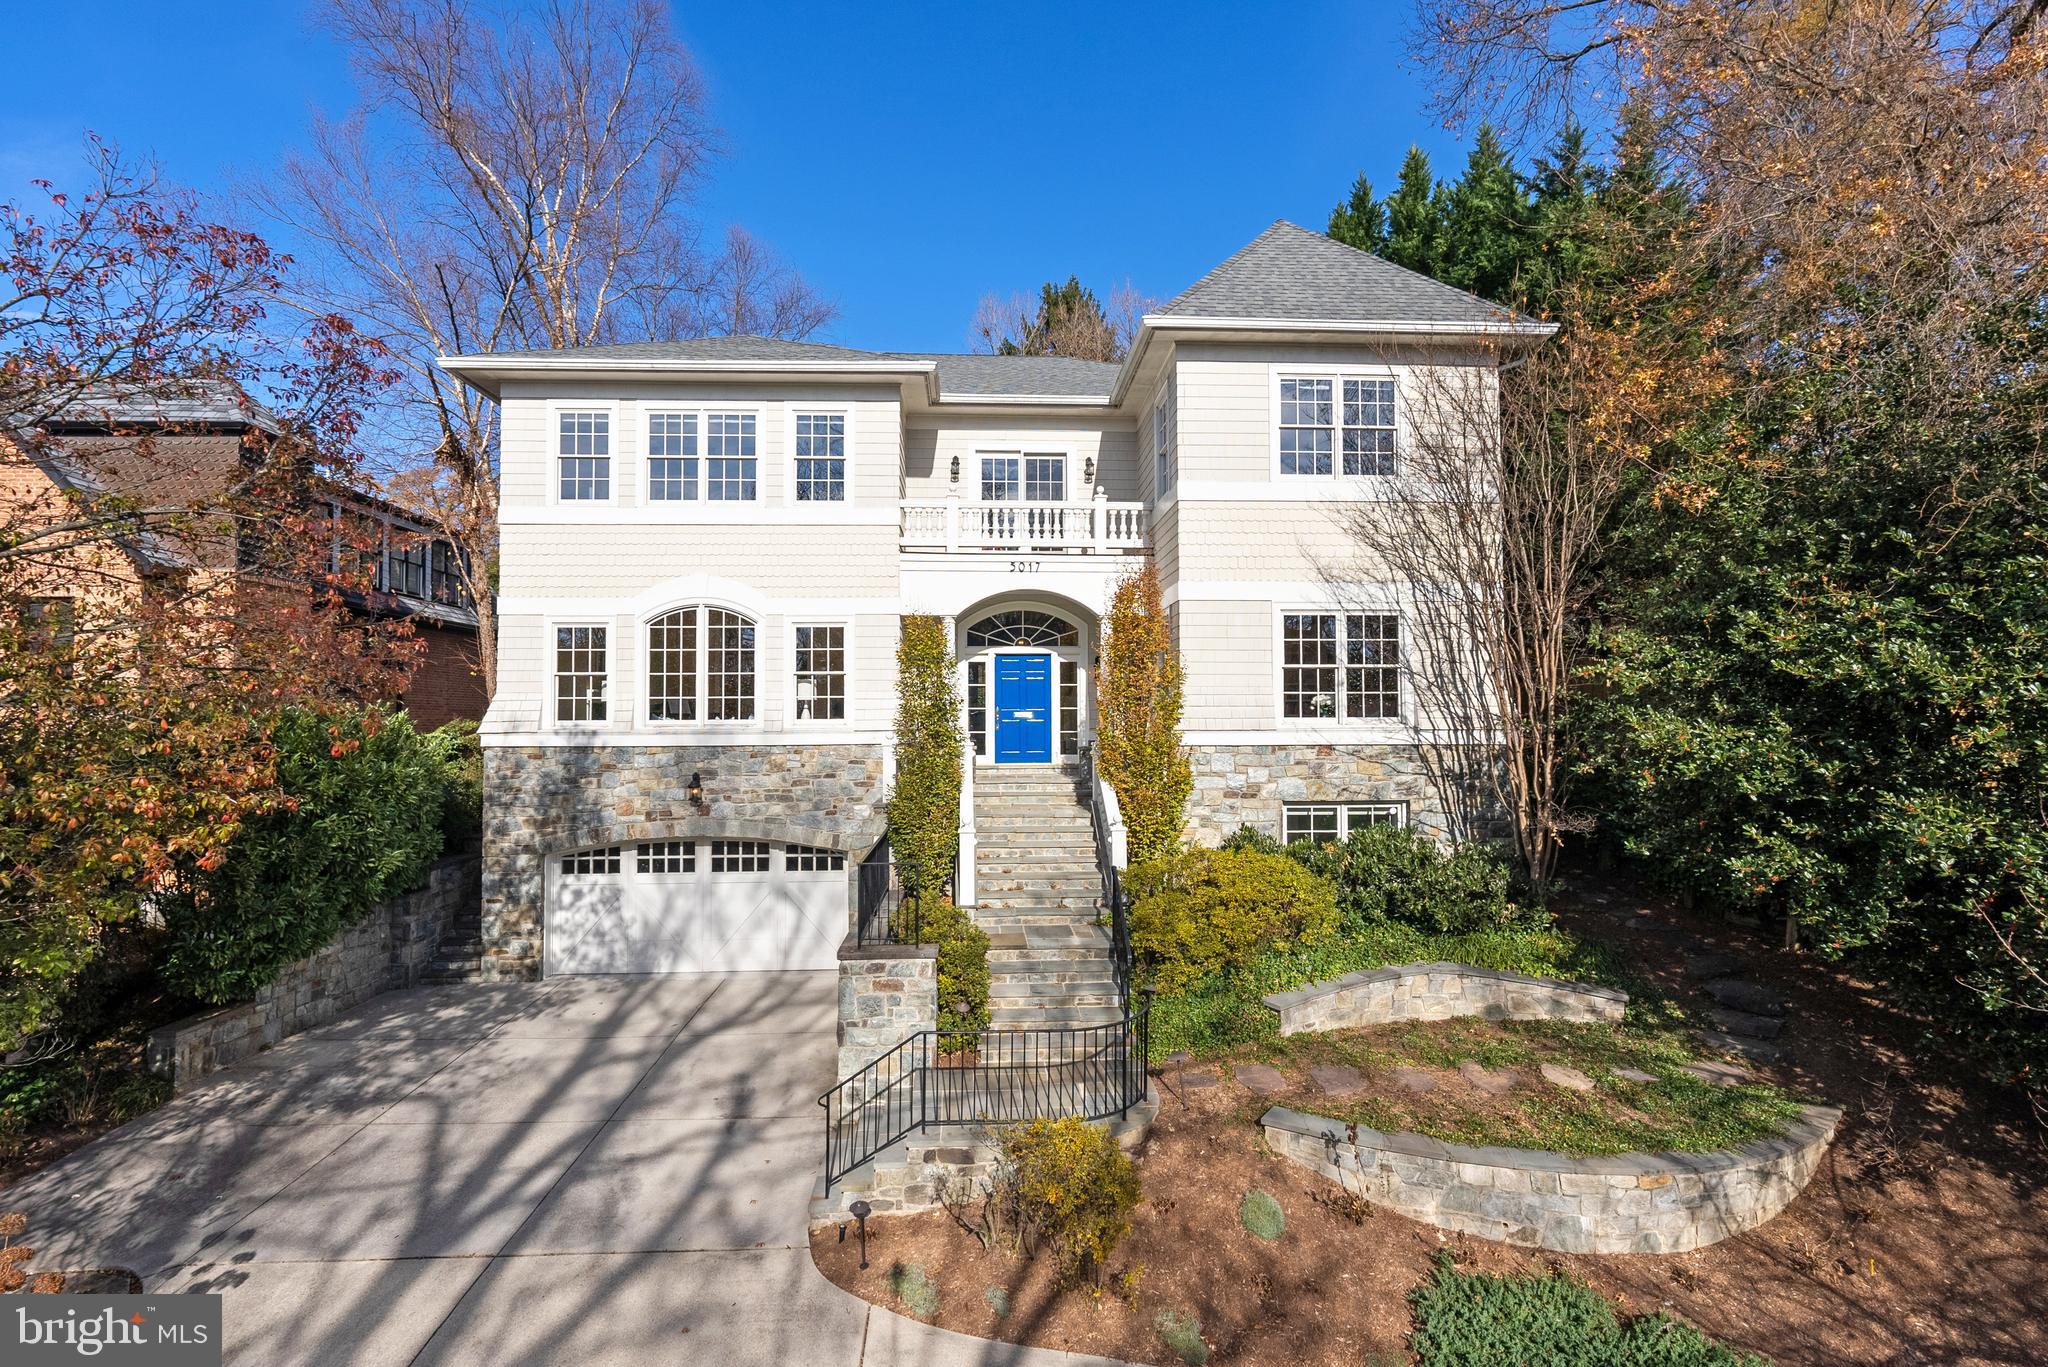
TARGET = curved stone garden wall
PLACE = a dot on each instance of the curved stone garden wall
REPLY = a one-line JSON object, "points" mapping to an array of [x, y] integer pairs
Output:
{"points": [[1627, 1203], [1440, 991]]}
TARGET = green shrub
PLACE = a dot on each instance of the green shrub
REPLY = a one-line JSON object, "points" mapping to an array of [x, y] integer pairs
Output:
{"points": [[460, 754], [998, 1299], [361, 821], [1182, 1331], [1074, 1189], [1397, 873], [1138, 685], [1474, 1320], [963, 964], [924, 806], [1205, 909], [1261, 1215], [914, 1286]]}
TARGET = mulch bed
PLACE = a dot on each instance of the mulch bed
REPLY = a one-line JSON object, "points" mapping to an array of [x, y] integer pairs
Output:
{"points": [[1922, 1239]]}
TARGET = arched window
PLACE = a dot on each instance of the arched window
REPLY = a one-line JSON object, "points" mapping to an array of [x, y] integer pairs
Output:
{"points": [[700, 665], [1022, 627]]}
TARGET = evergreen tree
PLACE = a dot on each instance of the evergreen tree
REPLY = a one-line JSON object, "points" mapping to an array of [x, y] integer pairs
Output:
{"points": [[1361, 221], [1070, 322], [1485, 226], [1566, 185], [1414, 225]]}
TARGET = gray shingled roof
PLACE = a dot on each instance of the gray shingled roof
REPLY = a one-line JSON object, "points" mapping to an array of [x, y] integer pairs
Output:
{"points": [[1288, 272], [998, 376], [172, 403]]}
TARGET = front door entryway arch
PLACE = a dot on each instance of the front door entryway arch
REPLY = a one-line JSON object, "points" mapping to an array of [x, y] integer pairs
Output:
{"points": [[1025, 668]]}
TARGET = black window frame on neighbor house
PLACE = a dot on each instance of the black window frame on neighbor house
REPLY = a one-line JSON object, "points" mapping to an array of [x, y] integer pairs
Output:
{"points": [[820, 454], [1358, 671], [583, 454], [1306, 820], [583, 663]]}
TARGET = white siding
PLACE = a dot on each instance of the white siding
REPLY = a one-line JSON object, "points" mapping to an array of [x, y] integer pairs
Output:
{"points": [[931, 444]]}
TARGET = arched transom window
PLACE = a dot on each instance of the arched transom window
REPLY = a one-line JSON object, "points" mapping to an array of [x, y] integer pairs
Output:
{"points": [[700, 665], [1022, 627]]}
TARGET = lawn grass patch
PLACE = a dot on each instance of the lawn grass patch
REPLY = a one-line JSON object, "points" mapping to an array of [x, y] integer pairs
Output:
{"points": [[1469, 1319], [1676, 1112]]}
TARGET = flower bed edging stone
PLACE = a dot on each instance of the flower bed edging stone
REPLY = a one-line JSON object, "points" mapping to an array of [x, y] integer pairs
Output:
{"points": [[1626, 1203], [1440, 991]]}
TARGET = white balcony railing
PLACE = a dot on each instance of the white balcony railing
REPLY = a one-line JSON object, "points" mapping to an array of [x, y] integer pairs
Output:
{"points": [[950, 525]]}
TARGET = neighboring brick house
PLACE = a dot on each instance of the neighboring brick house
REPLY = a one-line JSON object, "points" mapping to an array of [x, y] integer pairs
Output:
{"points": [[707, 547], [196, 450]]}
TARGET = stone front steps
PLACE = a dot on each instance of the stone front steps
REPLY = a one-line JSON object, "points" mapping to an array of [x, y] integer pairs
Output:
{"points": [[459, 958], [1038, 894]]}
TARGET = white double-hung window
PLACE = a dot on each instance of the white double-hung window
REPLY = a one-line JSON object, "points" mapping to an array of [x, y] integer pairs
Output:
{"points": [[1331, 425], [731, 460], [671, 457], [820, 457], [582, 670], [1340, 666], [1165, 431], [584, 454]]}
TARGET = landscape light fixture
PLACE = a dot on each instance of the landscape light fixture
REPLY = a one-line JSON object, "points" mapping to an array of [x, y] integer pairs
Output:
{"points": [[695, 792], [861, 1210]]}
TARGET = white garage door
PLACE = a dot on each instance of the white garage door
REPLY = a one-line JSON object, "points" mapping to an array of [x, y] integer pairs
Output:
{"points": [[693, 906]]}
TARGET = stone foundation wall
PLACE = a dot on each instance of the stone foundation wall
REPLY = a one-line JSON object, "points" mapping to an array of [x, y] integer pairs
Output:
{"points": [[1629, 1203], [887, 993], [543, 800], [1246, 785], [384, 951], [1440, 991]]}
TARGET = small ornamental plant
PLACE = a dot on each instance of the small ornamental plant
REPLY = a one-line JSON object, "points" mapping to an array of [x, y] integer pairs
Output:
{"points": [[1074, 1191], [1261, 1214], [1182, 1330], [914, 1286]]}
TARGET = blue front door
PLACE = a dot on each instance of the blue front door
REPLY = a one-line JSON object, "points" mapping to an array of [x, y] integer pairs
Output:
{"points": [[1023, 709]]}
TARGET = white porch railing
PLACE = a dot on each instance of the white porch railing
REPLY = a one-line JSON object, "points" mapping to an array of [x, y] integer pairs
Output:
{"points": [[949, 525]]}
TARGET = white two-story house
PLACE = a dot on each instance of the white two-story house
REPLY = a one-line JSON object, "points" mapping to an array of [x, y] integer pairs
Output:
{"points": [[708, 546]]}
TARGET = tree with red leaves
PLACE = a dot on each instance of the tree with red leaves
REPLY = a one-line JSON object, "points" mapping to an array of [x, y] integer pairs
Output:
{"points": [[171, 574]]}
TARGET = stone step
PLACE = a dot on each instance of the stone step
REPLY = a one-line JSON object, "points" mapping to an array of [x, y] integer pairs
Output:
{"points": [[1067, 906], [1040, 847], [1073, 953], [1057, 998], [1073, 835], [1061, 1017], [1080, 874]]}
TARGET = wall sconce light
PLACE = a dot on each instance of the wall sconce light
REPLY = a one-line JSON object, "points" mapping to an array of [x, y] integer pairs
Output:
{"points": [[695, 792], [956, 469], [1088, 470]]}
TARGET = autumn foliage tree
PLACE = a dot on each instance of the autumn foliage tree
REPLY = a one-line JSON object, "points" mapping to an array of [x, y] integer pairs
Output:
{"points": [[156, 605], [1816, 692], [1138, 706]]}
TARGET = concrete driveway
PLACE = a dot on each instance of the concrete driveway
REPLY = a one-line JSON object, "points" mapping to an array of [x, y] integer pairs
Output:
{"points": [[588, 1171]]}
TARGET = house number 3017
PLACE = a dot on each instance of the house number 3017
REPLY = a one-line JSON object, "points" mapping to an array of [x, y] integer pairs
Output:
{"points": [[1023, 567]]}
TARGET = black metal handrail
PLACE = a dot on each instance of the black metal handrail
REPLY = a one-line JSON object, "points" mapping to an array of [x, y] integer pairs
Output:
{"points": [[883, 916], [994, 1077]]}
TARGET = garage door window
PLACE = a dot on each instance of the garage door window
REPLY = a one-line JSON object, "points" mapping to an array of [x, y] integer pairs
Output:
{"points": [[591, 863], [811, 859], [739, 856], [666, 857]]}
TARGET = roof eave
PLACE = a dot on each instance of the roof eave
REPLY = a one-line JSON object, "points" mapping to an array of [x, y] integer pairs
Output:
{"points": [[486, 373], [1521, 330]]}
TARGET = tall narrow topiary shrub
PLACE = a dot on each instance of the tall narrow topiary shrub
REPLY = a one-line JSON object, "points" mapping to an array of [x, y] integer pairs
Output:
{"points": [[924, 807], [1138, 700]]}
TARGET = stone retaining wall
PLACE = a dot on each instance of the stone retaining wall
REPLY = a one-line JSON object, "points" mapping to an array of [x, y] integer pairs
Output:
{"points": [[887, 993], [1628, 1203], [545, 800], [386, 949], [1440, 991]]}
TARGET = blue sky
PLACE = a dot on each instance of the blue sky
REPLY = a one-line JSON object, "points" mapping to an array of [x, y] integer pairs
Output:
{"points": [[907, 160]]}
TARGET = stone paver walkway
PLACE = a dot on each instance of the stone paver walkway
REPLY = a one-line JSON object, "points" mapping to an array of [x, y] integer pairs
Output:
{"points": [[591, 1170]]}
